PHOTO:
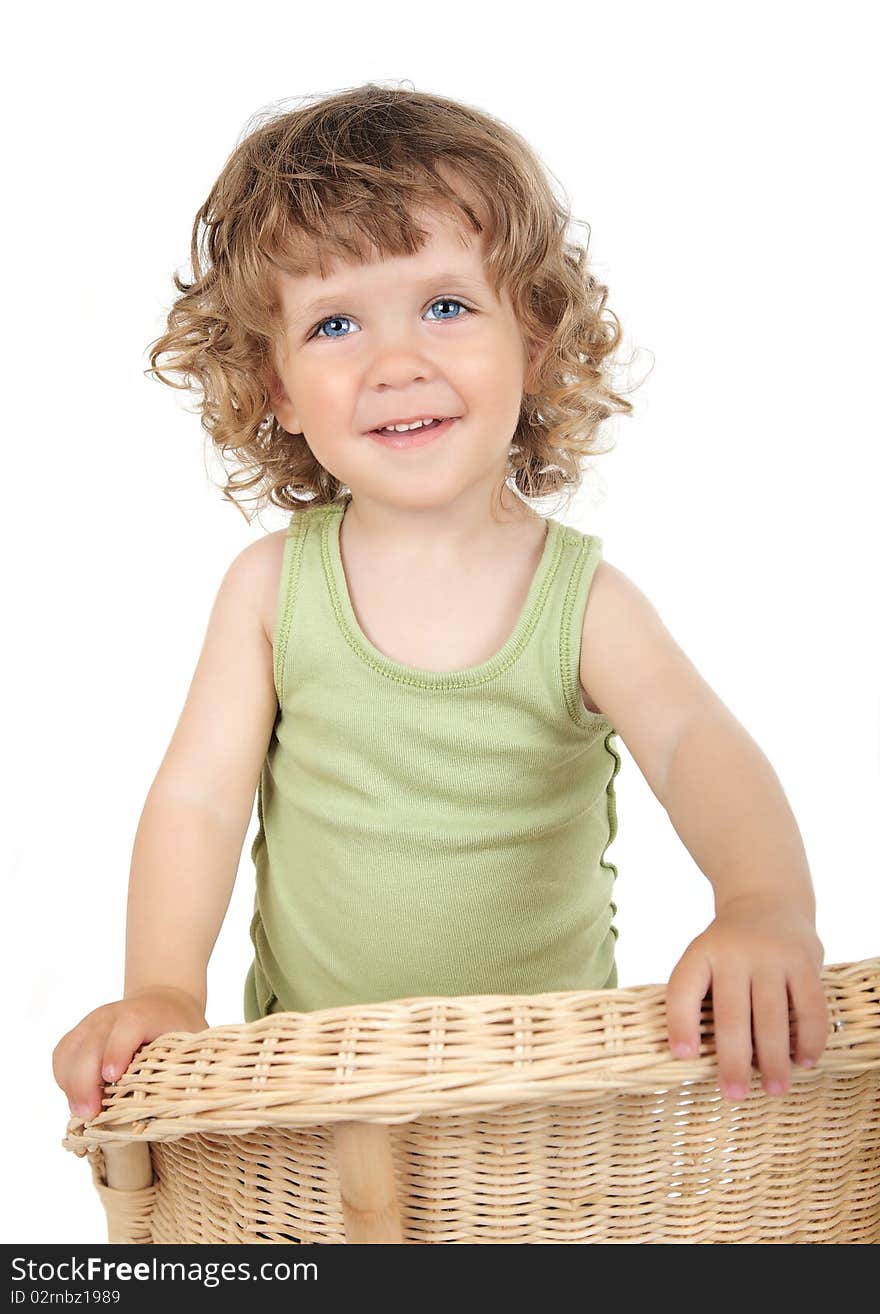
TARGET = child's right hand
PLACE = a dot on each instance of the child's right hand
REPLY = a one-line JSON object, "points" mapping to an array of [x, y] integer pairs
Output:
{"points": [[102, 1045]]}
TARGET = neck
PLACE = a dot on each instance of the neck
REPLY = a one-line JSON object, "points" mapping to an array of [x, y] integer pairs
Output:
{"points": [[434, 533]]}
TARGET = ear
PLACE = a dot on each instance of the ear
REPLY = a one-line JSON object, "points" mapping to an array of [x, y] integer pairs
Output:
{"points": [[281, 405]]}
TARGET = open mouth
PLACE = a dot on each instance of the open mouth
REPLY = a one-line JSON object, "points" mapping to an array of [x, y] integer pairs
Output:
{"points": [[413, 437]]}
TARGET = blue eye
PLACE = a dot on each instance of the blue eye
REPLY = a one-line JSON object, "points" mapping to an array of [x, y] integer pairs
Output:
{"points": [[441, 301], [448, 301]]}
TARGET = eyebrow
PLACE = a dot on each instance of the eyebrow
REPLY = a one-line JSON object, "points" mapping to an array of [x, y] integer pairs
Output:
{"points": [[332, 301]]}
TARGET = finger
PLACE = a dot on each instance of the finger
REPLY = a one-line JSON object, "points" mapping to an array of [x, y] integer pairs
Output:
{"points": [[771, 1030], [812, 1016], [63, 1056], [84, 1088], [123, 1041], [111, 1052], [126, 1038], [732, 1013], [685, 993]]}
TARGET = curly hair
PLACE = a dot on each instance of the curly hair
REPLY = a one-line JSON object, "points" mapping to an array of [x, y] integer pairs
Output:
{"points": [[340, 178]]}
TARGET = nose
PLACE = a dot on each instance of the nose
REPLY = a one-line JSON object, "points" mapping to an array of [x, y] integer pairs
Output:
{"points": [[397, 370], [400, 354]]}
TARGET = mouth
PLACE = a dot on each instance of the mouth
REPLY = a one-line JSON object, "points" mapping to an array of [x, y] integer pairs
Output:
{"points": [[414, 437]]}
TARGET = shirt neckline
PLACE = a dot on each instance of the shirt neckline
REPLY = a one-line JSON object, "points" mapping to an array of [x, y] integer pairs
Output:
{"points": [[467, 675]]}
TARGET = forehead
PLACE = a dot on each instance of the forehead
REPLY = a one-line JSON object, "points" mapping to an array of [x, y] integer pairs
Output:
{"points": [[451, 249]]}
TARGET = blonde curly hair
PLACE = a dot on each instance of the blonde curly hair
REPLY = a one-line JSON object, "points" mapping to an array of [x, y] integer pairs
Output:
{"points": [[339, 178]]}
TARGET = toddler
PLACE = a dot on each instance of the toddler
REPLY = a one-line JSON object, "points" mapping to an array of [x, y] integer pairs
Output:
{"points": [[421, 678]]}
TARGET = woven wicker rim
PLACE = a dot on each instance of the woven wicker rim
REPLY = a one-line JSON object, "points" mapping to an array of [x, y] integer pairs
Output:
{"points": [[396, 1061]]}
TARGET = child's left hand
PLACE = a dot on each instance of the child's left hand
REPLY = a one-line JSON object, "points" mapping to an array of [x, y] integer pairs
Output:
{"points": [[756, 950]]}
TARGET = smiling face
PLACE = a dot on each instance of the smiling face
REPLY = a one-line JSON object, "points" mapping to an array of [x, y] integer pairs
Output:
{"points": [[410, 336]]}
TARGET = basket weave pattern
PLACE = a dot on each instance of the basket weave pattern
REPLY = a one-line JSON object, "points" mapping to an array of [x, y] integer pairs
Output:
{"points": [[548, 1118]]}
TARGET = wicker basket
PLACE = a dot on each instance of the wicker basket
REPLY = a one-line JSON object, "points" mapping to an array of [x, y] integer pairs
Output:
{"points": [[546, 1118]]}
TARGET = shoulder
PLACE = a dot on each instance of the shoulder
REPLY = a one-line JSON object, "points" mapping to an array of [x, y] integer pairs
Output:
{"points": [[636, 672], [617, 620], [620, 629], [597, 614], [257, 569], [614, 593]]}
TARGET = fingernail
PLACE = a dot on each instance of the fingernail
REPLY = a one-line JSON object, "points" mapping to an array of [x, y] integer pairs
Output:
{"points": [[807, 1063], [110, 1073], [682, 1049], [735, 1092], [773, 1088]]}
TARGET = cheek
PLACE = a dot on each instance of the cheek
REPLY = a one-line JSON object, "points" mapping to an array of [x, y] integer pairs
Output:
{"points": [[322, 394], [503, 362], [498, 386], [484, 379], [334, 455]]}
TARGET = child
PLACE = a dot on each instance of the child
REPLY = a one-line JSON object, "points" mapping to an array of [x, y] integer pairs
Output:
{"points": [[421, 677]]}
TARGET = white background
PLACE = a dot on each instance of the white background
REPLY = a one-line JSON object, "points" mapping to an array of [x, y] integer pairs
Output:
{"points": [[722, 156]]}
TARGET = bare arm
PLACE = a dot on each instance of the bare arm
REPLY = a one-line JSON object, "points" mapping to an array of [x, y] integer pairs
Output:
{"points": [[183, 870], [192, 828], [761, 953], [728, 807], [720, 792]]}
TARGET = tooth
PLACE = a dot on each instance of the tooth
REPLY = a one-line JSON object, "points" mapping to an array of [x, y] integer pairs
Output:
{"points": [[405, 428]]}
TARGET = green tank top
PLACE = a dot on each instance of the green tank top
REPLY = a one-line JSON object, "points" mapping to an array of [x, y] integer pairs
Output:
{"points": [[425, 832]]}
